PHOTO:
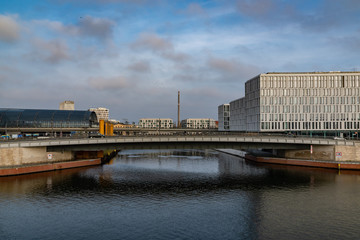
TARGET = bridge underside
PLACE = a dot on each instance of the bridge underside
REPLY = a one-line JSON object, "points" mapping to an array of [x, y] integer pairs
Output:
{"points": [[178, 145]]}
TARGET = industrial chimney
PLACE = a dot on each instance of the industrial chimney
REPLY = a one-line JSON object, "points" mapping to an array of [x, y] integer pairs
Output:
{"points": [[178, 121]]}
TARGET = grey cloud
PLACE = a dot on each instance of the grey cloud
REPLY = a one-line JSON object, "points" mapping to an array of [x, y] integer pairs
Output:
{"points": [[114, 83], [88, 26], [157, 44], [176, 57], [231, 70], [9, 29], [270, 12], [322, 17], [222, 65], [96, 27], [255, 8], [195, 9], [132, 2], [332, 13], [152, 42], [141, 66], [349, 43], [52, 51]]}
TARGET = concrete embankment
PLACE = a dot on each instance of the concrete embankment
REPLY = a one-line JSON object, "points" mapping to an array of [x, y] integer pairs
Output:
{"points": [[16, 161], [348, 165], [25, 169]]}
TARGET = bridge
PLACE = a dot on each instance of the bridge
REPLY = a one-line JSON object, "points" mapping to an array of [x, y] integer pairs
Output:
{"points": [[175, 142], [15, 153]]}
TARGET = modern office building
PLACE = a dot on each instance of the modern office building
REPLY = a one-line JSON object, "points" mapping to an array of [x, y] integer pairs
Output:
{"points": [[67, 105], [224, 117], [156, 123], [314, 102], [101, 113], [198, 123]]}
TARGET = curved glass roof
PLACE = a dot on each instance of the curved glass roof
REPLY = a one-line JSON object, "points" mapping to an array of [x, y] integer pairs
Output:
{"points": [[45, 118]]}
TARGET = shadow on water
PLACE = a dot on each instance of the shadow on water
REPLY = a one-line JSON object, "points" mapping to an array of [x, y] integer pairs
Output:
{"points": [[169, 172]]}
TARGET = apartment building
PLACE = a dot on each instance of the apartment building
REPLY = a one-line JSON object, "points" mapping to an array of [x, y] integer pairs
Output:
{"points": [[198, 123], [305, 101], [156, 123]]}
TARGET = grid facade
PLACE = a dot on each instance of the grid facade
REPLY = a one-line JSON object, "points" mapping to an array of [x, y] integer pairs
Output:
{"points": [[314, 101], [156, 123], [198, 123], [224, 117]]}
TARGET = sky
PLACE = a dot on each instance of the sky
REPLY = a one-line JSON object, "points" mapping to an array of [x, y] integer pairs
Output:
{"points": [[133, 56]]}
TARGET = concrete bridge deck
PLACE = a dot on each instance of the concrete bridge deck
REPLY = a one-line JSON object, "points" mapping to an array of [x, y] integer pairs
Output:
{"points": [[201, 142]]}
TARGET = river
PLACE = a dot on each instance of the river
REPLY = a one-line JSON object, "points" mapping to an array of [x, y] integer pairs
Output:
{"points": [[181, 194]]}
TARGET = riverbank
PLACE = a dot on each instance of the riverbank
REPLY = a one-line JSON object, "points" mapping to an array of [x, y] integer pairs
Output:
{"points": [[294, 162], [34, 168]]}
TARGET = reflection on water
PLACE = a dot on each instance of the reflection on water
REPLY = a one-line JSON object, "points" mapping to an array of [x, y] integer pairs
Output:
{"points": [[181, 195]]}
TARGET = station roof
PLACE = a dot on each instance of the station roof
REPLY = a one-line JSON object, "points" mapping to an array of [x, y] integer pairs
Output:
{"points": [[20, 117]]}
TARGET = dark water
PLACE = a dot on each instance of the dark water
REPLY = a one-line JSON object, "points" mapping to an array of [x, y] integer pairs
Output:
{"points": [[181, 195]]}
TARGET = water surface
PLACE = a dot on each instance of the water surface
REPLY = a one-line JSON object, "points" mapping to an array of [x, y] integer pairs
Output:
{"points": [[181, 195]]}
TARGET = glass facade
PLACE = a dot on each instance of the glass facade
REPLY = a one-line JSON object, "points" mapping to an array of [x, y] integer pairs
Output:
{"points": [[36, 118]]}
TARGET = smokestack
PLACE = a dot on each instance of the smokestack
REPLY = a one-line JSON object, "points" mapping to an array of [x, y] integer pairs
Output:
{"points": [[178, 121]]}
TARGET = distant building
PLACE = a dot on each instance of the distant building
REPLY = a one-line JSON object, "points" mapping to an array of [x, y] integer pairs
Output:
{"points": [[198, 123], [67, 105], [224, 117], [156, 123], [123, 125], [313, 102], [101, 113]]}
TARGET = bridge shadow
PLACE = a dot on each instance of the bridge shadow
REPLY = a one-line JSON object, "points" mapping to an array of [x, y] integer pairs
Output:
{"points": [[232, 173]]}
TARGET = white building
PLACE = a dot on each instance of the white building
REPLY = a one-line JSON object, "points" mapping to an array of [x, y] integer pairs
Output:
{"points": [[156, 122], [67, 105], [309, 101], [198, 123], [224, 117], [101, 113]]}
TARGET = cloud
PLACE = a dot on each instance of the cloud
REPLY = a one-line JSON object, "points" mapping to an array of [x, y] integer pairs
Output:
{"points": [[331, 14], [114, 83], [87, 26], [195, 9], [153, 42], [349, 43], [141, 66], [96, 27], [9, 28], [53, 51], [232, 69], [320, 16], [87, 2], [255, 8], [222, 65], [159, 45]]}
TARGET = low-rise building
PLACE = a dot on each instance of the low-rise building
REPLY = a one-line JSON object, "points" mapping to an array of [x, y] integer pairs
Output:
{"points": [[198, 123], [156, 123]]}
